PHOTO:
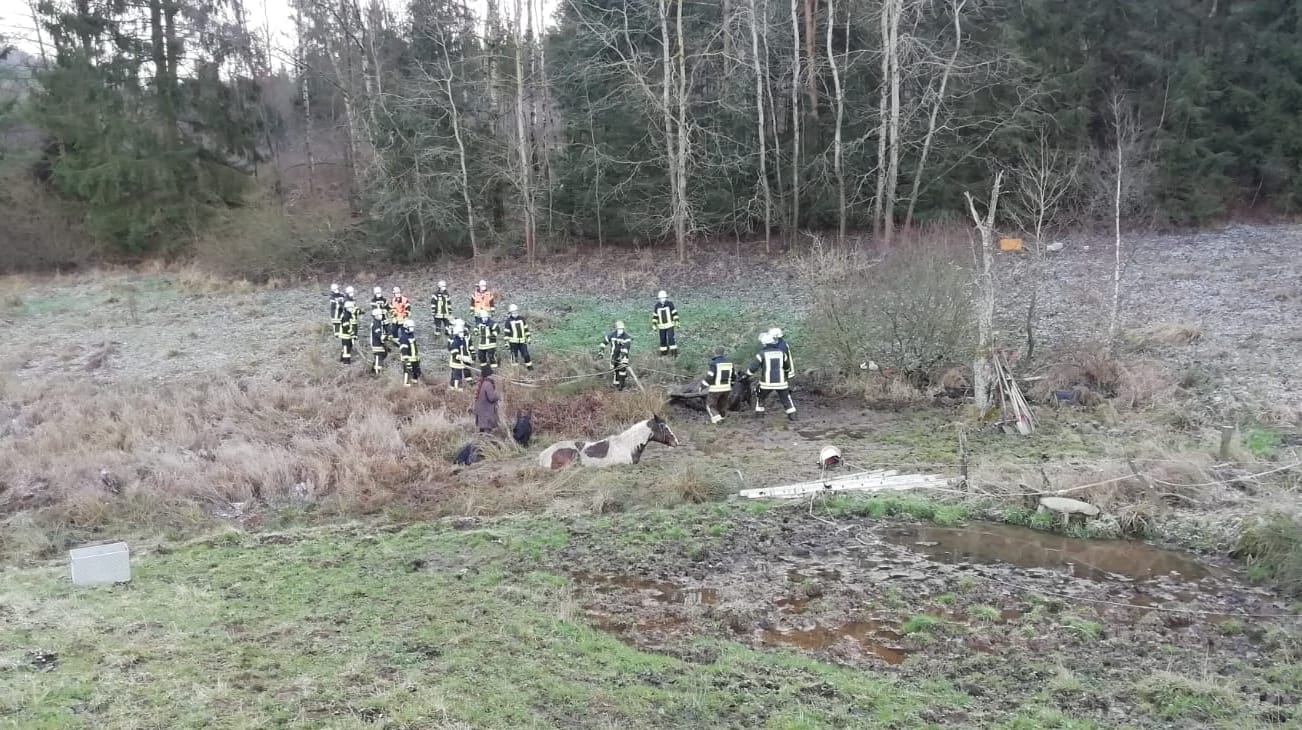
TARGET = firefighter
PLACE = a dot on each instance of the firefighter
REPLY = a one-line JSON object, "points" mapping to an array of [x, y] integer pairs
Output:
{"points": [[772, 365], [517, 336], [487, 333], [718, 385], [482, 300], [349, 292], [458, 354], [348, 331], [441, 307], [336, 308], [621, 349], [379, 343], [409, 351], [664, 318], [776, 334], [379, 302], [401, 306]]}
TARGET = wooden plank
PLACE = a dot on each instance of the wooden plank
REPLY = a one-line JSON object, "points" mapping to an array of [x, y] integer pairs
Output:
{"points": [[871, 482]]}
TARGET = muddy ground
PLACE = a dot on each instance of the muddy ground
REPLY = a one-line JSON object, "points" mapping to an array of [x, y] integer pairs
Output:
{"points": [[1003, 612]]}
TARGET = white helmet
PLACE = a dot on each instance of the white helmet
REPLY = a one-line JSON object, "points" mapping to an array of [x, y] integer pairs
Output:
{"points": [[662, 295], [378, 292], [765, 338], [458, 327], [619, 325], [334, 288], [378, 314], [409, 323], [512, 309], [350, 304], [483, 284], [443, 285], [776, 333], [349, 291], [396, 291], [458, 322]]}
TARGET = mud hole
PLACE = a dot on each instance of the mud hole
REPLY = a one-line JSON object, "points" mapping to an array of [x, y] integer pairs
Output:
{"points": [[994, 608]]}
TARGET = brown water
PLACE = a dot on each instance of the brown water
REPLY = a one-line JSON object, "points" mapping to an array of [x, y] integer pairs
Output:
{"points": [[1027, 548], [867, 635]]}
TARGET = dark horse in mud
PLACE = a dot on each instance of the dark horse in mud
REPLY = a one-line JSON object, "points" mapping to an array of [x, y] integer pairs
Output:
{"points": [[622, 448], [740, 398]]}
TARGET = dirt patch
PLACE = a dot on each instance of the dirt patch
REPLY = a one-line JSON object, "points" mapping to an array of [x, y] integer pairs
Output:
{"points": [[924, 601]]}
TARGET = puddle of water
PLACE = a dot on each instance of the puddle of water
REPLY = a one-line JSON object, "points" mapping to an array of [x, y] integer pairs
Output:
{"points": [[653, 590], [867, 634], [1027, 548]]}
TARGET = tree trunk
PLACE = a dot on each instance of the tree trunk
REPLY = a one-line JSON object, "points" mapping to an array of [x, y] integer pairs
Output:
{"points": [[840, 115], [982, 370], [526, 164], [893, 169], [883, 127], [680, 212], [461, 155], [759, 125], [307, 104], [935, 112], [795, 119], [778, 175], [1114, 315], [811, 68]]}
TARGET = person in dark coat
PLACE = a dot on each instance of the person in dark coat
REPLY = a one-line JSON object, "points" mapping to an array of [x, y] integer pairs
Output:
{"points": [[486, 397]]}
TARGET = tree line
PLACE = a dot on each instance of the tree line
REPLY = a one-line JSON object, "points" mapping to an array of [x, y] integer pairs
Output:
{"points": [[660, 121]]}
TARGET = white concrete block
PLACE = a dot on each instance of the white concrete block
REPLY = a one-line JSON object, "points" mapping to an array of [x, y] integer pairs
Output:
{"points": [[100, 564]]}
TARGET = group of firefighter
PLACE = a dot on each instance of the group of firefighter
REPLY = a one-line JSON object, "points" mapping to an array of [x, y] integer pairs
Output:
{"points": [[476, 344]]}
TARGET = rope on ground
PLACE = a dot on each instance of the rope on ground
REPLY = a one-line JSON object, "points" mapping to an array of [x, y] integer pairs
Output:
{"points": [[533, 383]]}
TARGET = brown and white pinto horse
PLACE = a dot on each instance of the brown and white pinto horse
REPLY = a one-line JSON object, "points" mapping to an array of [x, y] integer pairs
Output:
{"points": [[623, 448]]}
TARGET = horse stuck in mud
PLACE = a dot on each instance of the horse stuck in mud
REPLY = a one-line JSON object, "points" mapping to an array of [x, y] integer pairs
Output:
{"points": [[622, 448]]}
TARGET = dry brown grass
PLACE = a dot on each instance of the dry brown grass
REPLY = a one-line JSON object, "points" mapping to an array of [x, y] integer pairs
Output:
{"points": [[1165, 333], [1127, 383]]}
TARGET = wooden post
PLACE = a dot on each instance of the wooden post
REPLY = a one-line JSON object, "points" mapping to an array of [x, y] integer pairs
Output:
{"points": [[962, 457], [1227, 440]]}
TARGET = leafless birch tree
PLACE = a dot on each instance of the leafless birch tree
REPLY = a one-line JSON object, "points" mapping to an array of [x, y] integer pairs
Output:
{"points": [[982, 371], [523, 146], [837, 150], [761, 79]]}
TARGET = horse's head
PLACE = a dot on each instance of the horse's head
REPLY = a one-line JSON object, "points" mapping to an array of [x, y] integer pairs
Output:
{"points": [[660, 431]]}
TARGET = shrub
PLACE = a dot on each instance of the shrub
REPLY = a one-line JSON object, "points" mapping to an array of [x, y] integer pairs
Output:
{"points": [[1273, 550], [911, 312]]}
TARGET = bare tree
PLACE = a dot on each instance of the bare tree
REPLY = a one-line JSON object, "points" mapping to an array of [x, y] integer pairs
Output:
{"points": [[956, 8], [795, 118], [305, 83], [837, 150], [680, 206], [1129, 162], [887, 21], [896, 8], [982, 371], [760, 78], [1044, 176], [523, 146], [455, 115]]}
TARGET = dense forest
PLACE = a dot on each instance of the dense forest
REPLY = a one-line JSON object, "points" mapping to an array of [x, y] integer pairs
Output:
{"points": [[423, 129]]}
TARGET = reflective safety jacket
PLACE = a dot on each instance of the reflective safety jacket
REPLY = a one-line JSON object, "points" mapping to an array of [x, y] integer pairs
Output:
{"points": [[382, 304], [483, 301], [348, 326], [441, 305], [407, 347], [517, 330], [401, 307], [664, 316], [458, 352], [336, 307], [786, 350], [620, 344], [487, 333], [378, 335], [771, 364], [720, 376]]}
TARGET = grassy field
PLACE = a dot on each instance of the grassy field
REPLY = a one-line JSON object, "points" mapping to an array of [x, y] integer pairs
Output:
{"points": [[458, 624]]}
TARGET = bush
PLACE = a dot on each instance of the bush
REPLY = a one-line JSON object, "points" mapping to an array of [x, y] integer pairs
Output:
{"points": [[1273, 550], [911, 312], [264, 241]]}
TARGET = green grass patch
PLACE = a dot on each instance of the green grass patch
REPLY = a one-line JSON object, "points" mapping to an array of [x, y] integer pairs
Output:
{"points": [[1177, 697], [1272, 548], [1084, 629], [922, 623], [988, 614], [846, 505]]}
